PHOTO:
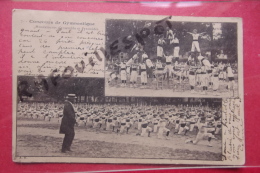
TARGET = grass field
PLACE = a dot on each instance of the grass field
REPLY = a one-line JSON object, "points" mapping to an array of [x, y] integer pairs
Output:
{"points": [[36, 137], [115, 89]]}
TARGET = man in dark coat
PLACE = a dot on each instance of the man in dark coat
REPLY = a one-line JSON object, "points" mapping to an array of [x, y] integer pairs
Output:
{"points": [[67, 123]]}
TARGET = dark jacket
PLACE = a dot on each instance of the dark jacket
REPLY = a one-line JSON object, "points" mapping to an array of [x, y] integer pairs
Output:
{"points": [[68, 121]]}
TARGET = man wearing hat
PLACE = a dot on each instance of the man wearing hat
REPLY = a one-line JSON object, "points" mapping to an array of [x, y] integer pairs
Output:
{"points": [[67, 123]]}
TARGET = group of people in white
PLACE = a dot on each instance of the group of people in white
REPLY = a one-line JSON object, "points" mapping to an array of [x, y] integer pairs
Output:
{"points": [[146, 121], [197, 71]]}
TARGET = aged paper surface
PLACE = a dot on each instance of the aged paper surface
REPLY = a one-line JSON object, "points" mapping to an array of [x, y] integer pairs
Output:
{"points": [[139, 88], [44, 44]]}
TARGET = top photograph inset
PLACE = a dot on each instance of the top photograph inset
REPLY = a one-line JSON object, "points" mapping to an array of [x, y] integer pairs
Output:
{"points": [[170, 58]]}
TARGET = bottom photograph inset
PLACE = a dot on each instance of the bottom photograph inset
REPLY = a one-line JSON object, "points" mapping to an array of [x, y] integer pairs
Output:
{"points": [[120, 127]]}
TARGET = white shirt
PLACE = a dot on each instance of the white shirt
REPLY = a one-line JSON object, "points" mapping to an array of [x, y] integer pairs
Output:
{"points": [[174, 40], [161, 42], [195, 36], [134, 66], [200, 57], [222, 56], [158, 65], [169, 58], [123, 65], [135, 56], [143, 66], [144, 56], [230, 72]]}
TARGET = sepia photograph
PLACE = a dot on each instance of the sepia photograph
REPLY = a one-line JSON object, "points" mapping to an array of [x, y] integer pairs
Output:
{"points": [[77, 122], [171, 58]]}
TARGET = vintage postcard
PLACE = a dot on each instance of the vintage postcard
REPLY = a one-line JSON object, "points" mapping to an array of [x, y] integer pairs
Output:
{"points": [[109, 88]]}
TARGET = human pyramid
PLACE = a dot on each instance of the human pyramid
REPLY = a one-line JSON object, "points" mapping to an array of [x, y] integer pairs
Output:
{"points": [[141, 120], [196, 75]]}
